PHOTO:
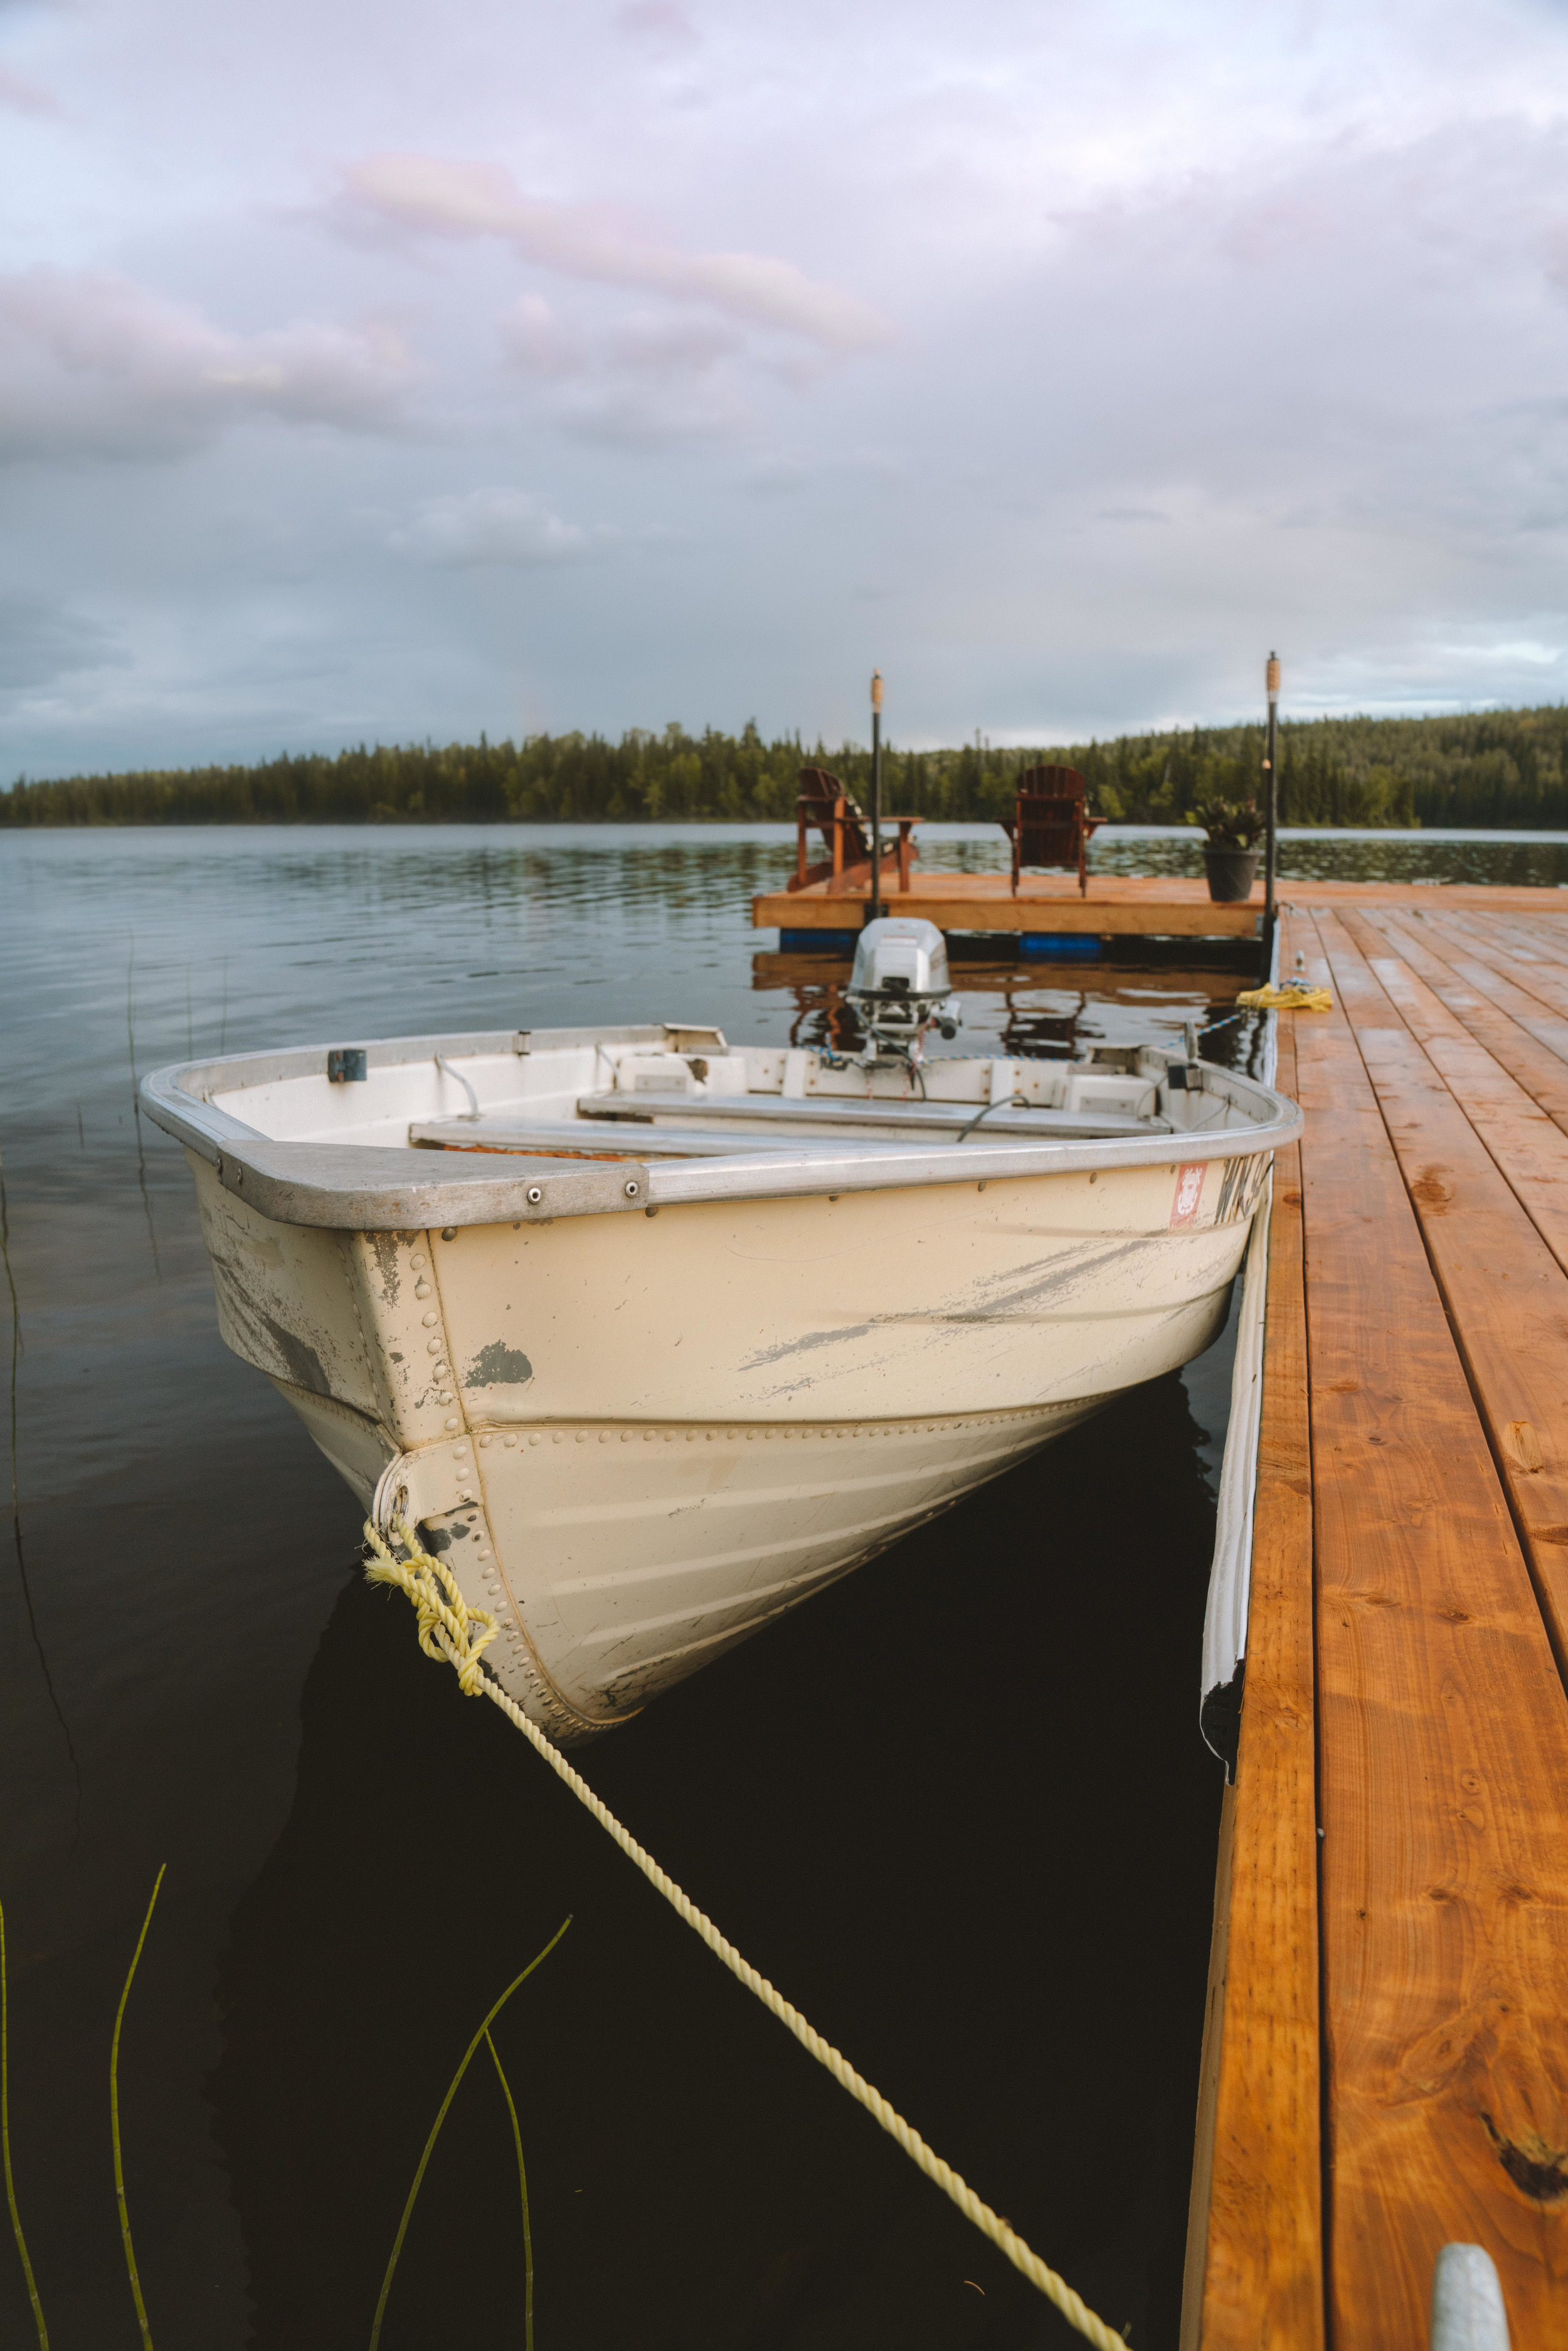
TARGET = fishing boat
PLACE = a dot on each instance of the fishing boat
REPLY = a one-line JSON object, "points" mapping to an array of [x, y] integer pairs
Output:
{"points": [[653, 1335]]}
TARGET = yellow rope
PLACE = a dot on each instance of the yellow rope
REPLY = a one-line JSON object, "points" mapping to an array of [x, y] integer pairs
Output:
{"points": [[443, 1632], [1289, 999], [446, 1621]]}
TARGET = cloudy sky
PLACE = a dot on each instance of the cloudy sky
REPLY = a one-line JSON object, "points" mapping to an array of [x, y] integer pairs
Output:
{"points": [[382, 368]]}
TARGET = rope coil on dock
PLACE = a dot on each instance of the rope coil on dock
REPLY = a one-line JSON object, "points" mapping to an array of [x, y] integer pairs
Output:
{"points": [[446, 1630]]}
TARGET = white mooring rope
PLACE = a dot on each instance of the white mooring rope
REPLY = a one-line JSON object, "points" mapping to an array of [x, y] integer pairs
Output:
{"points": [[449, 1628]]}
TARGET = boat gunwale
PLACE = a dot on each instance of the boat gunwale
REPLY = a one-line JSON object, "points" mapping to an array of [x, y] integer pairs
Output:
{"points": [[371, 1187]]}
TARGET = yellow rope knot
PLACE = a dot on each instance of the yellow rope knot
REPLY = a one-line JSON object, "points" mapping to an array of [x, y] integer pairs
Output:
{"points": [[448, 1628], [1292, 997]]}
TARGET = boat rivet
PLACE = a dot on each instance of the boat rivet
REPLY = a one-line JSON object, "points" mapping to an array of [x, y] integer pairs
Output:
{"points": [[582, 1436], [454, 1423], [535, 1194], [626, 1436], [631, 1191], [239, 1175], [417, 1259], [556, 1438], [449, 1232], [481, 1554], [979, 1188], [430, 1321], [484, 1441]]}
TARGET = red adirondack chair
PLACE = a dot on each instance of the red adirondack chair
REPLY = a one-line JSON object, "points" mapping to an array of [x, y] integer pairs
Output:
{"points": [[825, 807], [1050, 825]]}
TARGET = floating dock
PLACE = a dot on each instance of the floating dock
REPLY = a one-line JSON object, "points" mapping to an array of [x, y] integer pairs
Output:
{"points": [[1049, 905], [1386, 2065]]}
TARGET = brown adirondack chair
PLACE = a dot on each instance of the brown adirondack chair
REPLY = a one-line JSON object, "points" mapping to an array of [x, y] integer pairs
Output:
{"points": [[825, 807], [1050, 825]]}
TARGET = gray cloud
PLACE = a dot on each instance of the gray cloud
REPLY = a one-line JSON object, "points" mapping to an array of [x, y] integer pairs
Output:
{"points": [[495, 525], [42, 640]]}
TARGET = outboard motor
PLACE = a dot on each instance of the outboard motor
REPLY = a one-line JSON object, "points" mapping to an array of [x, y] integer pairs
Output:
{"points": [[900, 986]]}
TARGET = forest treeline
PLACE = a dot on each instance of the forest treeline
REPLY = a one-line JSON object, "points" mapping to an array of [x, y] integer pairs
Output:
{"points": [[1499, 767]]}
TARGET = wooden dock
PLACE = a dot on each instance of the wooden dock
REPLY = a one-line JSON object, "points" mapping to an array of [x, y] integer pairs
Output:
{"points": [[1116, 905], [1386, 2067]]}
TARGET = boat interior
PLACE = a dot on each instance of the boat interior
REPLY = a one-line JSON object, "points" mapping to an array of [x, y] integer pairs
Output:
{"points": [[670, 1091]]}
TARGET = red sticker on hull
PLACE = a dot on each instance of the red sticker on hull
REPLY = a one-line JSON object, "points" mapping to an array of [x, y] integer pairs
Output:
{"points": [[1188, 1192]]}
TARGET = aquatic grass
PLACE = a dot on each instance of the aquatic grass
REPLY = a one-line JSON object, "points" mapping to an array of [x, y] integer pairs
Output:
{"points": [[523, 2190], [6, 2144], [114, 2123], [482, 2034]]}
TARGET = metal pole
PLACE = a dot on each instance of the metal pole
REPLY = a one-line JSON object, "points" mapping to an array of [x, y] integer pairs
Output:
{"points": [[1271, 768], [875, 794]]}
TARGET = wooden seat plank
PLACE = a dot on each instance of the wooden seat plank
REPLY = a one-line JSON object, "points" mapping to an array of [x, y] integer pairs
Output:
{"points": [[1256, 2248], [1443, 1732]]}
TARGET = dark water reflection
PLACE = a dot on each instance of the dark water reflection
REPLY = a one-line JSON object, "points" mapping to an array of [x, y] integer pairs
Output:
{"points": [[958, 1807]]}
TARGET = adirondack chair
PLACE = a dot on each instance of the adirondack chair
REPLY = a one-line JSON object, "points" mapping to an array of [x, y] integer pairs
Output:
{"points": [[825, 807], [1050, 825]]}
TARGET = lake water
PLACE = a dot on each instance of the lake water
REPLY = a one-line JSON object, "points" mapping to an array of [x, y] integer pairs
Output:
{"points": [[957, 1808]]}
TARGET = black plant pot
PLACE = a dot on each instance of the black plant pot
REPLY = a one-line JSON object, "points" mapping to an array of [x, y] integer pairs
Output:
{"points": [[1231, 873]]}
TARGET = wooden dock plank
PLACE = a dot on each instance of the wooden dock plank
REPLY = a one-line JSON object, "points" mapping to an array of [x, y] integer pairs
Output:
{"points": [[1533, 1047], [1504, 1288], [1444, 1750], [1490, 945], [1257, 2251], [1530, 1151]]}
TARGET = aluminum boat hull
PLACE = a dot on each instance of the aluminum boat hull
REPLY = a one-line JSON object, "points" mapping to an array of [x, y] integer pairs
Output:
{"points": [[637, 1438]]}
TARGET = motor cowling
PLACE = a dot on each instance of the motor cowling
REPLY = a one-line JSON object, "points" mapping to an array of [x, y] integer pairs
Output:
{"points": [[900, 986]]}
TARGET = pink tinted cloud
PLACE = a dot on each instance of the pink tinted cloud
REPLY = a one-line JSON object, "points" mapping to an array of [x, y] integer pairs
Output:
{"points": [[427, 194], [93, 363], [25, 97]]}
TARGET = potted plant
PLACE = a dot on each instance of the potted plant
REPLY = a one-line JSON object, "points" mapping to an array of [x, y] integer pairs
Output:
{"points": [[1231, 829]]}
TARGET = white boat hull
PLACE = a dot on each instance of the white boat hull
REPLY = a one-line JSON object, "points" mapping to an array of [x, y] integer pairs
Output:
{"points": [[638, 1439]]}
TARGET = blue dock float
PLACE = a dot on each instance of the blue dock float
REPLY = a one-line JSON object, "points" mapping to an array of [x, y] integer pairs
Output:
{"points": [[1076, 946], [818, 943]]}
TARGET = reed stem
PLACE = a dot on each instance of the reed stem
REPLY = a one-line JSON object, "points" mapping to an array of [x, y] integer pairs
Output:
{"points": [[114, 2125], [5, 2142], [436, 2126], [523, 2187]]}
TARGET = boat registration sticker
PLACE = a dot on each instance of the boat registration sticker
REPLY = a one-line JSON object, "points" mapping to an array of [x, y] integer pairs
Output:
{"points": [[1189, 1193]]}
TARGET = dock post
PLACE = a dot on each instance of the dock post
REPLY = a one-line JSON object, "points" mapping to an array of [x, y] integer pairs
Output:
{"points": [[875, 794], [1270, 763]]}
